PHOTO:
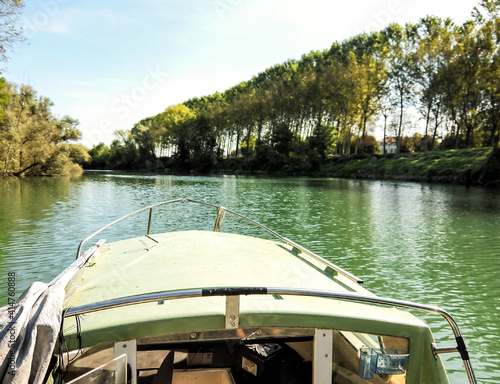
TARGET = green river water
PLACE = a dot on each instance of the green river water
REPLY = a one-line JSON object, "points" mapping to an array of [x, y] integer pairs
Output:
{"points": [[435, 244]]}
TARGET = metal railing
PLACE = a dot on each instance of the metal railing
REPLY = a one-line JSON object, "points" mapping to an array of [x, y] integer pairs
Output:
{"points": [[220, 215], [203, 292], [351, 297]]}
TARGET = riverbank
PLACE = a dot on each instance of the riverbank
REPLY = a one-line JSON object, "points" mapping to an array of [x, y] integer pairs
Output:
{"points": [[476, 166]]}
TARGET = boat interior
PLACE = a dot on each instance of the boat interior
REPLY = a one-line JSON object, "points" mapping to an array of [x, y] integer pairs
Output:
{"points": [[240, 356]]}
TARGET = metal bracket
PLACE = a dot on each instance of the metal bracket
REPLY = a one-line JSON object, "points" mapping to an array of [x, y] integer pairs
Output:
{"points": [[128, 347], [436, 351], [92, 251], [322, 365], [221, 212], [232, 312]]}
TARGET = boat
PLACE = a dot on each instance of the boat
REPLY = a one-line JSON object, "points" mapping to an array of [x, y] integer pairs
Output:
{"points": [[208, 306]]}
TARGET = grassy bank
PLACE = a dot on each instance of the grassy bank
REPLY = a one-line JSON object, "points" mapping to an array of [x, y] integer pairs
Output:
{"points": [[477, 166]]}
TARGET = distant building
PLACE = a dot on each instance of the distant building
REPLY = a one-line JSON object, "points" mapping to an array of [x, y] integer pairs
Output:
{"points": [[391, 145]]}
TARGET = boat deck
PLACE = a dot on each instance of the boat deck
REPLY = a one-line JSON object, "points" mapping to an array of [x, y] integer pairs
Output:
{"points": [[207, 259], [178, 260]]}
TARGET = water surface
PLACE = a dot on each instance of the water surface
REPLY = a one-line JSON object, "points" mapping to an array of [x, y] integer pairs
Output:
{"points": [[433, 244]]}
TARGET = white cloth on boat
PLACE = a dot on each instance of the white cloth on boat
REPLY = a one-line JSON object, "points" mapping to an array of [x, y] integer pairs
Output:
{"points": [[29, 334]]}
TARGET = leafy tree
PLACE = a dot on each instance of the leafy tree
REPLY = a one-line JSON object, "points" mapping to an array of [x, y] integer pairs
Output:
{"points": [[431, 56], [142, 137], [31, 138], [463, 96], [65, 159], [9, 32], [489, 32], [123, 152], [282, 138], [4, 97], [68, 129], [100, 156], [401, 41], [371, 145], [321, 142], [177, 127], [369, 77]]}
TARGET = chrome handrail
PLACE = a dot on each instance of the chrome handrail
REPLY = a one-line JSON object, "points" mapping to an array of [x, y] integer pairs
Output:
{"points": [[205, 292], [274, 233]]}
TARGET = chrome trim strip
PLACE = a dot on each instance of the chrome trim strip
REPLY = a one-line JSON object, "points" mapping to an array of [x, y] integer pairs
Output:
{"points": [[132, 300]]}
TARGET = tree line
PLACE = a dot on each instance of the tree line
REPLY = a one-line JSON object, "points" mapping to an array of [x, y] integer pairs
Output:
{"points": [[429, 85]]}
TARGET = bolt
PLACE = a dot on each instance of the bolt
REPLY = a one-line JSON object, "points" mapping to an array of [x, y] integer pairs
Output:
{"points": [[193, 335], [124, 345], [232, 317], [232, 324]]}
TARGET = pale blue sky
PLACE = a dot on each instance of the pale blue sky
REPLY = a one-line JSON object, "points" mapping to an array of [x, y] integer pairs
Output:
{"points": [[110, 63]]}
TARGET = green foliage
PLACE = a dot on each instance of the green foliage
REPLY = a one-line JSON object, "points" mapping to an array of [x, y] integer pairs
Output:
{"points": [[4, 97], [100, 156], [32, 140], [322, 141], [451, 166], [64, 160], [282, 138], [68, 129]]}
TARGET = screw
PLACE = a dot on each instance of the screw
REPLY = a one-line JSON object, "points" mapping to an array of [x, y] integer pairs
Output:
{"points": [[193, 335], [232, 324], [124, 345], [232, 317]]}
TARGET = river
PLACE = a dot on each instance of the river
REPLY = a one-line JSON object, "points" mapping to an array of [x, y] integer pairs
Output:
{"points": [[435, 244]]}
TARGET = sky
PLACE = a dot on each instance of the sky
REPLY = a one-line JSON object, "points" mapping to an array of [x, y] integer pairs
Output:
{"points": [[111, 63]]}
